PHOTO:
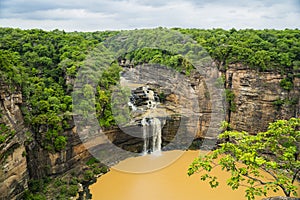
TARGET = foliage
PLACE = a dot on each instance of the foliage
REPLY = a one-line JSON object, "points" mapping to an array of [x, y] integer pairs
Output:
{"points": [[92, 161], [30, 196], [274, 152], [5, 132], [40, 188], [286, 84], [88, 175], [230, 96], [264, 50], [11, 71], [37, 185], [225, 126], [72, 190], [110, 77], [96, 168], [278, 103], [159, 56], [60, 142]]}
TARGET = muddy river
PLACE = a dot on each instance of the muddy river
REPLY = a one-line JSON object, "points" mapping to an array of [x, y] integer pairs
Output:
{"points": [[160, 177]]}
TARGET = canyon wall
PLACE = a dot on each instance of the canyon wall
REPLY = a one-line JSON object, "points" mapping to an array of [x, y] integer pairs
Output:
{"points": [[21, 156], [13, 165], [258, 100]]}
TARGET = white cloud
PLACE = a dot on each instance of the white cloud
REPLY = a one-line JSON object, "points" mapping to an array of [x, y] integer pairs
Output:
{"points": [[92, 15]]}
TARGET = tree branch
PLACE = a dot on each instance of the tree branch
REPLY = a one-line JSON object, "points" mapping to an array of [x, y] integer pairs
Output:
{"points": [[257, 180], [295, 176], [269, 172]]}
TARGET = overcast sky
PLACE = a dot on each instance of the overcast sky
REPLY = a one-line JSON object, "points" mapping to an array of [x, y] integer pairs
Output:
{"points": [[91, 15]]}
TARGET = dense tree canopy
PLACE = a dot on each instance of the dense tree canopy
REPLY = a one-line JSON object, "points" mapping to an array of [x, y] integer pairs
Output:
{"points": [[40, 63], [259, 49]]}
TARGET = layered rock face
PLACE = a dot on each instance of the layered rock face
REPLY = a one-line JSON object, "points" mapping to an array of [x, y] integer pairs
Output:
{"points": [[256, 94], [180, 102], [13, 164], [21, 156], [42, 163], [255, 99], [159, 98], [190, 104]]}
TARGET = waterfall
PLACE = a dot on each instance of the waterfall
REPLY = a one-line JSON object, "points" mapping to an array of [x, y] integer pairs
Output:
{"points": [[156, 134], [145, 135], [132, 106], [152, 125], [145, 100]]}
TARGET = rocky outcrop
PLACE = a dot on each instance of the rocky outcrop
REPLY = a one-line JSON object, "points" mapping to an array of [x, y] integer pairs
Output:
{"points": [[21, 156], [13, 164], [42, 163], [184, 108], [69, 162], [255, 97]]}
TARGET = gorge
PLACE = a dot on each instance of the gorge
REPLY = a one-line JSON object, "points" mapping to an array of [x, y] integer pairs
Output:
{"points": [[33, 156]]}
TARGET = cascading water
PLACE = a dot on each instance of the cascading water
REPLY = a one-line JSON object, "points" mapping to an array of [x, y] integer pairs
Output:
{"points": [[132, 106], [151, 128], [156, 134], [150, 124], [145, 125]]}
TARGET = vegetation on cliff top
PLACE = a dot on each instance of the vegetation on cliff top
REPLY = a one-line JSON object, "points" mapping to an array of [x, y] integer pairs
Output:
{"points": [[44, 64], [259, 49]]}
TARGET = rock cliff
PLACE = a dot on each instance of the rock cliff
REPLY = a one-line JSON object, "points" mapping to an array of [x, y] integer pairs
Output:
{"points": [[21, 156], [13, 164], [257, 100]]}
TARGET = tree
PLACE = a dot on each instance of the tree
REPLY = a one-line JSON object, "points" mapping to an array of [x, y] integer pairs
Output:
{"points": [[248, 158], [60, 143]]}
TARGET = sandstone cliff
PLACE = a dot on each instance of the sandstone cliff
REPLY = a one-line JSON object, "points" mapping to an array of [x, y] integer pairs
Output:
{"points": [[23, 159], [256, 97], [13, 164], [259, 99]]}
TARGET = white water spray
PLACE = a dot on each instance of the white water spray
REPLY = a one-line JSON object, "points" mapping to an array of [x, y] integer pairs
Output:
{"points": [[151, 125], [151, 144]]}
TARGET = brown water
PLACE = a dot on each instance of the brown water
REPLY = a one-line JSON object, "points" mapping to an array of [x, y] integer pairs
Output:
{"points": [[169, 183]]}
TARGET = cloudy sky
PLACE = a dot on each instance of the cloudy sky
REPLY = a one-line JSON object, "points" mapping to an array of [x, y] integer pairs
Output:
{"points": [[91, 15]]}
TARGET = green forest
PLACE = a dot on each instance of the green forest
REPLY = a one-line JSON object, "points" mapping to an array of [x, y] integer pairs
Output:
{"points": [[43, 65]]}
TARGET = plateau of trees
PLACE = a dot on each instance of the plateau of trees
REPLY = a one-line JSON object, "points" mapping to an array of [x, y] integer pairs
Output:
{"points": [[39, 64], [263, 50]]}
